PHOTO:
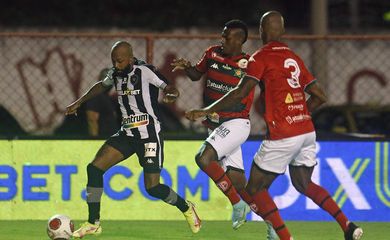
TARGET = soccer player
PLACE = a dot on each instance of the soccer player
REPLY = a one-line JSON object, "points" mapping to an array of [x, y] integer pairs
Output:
{"points": [[291, 136], [137, 87], [223, 66]]}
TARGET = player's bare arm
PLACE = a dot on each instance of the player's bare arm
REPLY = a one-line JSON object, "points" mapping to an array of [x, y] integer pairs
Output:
{"points": [[183, 64], [317, 96], [234, 96], [95, 90], [171, 94]]}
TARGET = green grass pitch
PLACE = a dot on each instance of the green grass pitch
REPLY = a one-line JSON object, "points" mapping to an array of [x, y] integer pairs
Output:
{"points": [[121, 230]]}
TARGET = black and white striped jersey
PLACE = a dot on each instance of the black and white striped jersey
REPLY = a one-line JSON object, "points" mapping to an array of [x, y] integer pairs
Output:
{"points": [[138, 91]]}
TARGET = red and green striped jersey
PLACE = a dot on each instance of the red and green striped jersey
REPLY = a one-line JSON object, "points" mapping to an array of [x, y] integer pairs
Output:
{"points": [[222, 74]]}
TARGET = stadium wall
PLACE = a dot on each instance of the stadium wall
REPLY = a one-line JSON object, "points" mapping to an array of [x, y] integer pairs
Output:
{"points": [[39, 178]]}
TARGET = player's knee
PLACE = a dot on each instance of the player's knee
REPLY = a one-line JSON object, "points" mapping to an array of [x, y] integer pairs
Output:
{"points": [[250, 190], [300, 186], [199, 159]]}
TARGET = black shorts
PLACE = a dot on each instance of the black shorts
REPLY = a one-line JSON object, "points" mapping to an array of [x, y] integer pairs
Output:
{"points": [[149, 151]]}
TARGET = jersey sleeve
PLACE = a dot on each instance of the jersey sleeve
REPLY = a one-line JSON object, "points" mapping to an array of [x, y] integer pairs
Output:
{"points": [[108, 81], [201, 66], [307, 77], [255, 67], [154, 79]]}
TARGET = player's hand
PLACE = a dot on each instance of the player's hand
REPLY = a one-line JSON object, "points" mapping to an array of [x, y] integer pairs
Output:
{"points": [[192, 115], [72, 108], [180, 64]]}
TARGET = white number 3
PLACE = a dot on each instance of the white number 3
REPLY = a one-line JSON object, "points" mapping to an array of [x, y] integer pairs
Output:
{"points": [[294, 80]]}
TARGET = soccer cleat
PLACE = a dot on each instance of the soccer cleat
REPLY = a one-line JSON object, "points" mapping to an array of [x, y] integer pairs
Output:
{"points": [[240, 210], [271, 234], [192, 218], [87, 229], [353, 232]]}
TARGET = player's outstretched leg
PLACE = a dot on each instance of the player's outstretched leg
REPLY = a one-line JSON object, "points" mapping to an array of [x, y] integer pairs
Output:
{"points": [[322, 198], [301, 179], [169, 196]]}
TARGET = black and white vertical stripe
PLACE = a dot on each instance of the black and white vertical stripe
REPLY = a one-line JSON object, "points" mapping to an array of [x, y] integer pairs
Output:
{"points": [[145, 102]]}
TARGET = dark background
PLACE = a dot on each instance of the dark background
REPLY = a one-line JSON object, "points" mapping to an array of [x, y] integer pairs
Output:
{"points": [[166, 15]]}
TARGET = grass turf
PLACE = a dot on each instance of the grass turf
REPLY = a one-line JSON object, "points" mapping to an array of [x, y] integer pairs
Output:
{"points": [[121, 230]]}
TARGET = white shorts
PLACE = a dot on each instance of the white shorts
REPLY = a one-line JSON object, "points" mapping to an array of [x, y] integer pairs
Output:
{"points": [[226, 139], [275, 155]]}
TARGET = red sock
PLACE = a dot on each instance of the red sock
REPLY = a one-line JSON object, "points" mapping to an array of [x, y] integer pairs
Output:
{"points": [[322, 198], [265, 207], [246, 197], [215, 172]]}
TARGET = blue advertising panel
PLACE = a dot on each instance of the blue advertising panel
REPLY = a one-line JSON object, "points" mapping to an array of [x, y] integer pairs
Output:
{"points": [[356, 175], [40, 178]]}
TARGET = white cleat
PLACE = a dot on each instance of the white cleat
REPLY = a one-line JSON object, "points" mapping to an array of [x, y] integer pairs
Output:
{"points": [[87, 229], [192, 218], [240, 210], [271, 234]]}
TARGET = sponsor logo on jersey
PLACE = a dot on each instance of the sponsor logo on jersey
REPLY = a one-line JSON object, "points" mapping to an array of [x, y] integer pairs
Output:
{"points": [[243, 63], [288, 99], [134, 121], [129, 92], [150, 150], [297, 118], [298, 96], [238, 73], [280, 48], [295, 107], [214, 65], [227, 67], [218, 86]]}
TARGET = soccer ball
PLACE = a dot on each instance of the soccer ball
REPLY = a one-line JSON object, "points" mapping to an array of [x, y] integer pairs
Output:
{"points": [[60, 227]]}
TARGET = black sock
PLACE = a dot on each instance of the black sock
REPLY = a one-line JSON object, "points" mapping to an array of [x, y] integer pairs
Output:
{"points": [[169, 196], [94, 192], [94, 212]]}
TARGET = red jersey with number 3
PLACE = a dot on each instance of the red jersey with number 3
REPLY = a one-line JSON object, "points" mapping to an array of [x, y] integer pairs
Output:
{"points": [[284, 77], [223, 73]]}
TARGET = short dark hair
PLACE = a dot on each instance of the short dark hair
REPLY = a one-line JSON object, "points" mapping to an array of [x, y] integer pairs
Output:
{"points": [[235, 23]]}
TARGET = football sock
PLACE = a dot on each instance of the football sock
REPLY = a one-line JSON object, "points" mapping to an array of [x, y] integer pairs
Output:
{"points": [[169, 196], [322, 198], [218, 175], [245, 196], [265, 207], [94, 192]]}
